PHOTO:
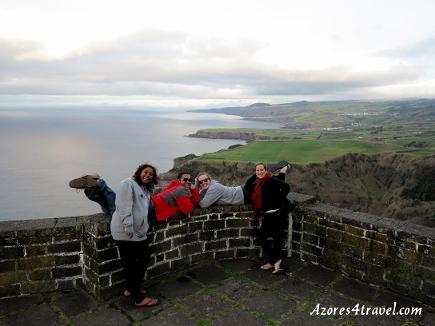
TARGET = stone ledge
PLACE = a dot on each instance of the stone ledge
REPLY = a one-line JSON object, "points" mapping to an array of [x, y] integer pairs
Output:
{"points": [[369, 221], [301, 198], [49, 223]]}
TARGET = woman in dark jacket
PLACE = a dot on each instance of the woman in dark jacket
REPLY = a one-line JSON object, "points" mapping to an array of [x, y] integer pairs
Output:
{"points": [[268, 194]]}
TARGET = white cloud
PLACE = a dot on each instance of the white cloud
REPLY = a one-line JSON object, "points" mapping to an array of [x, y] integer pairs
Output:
{"points": [[215, 50]]}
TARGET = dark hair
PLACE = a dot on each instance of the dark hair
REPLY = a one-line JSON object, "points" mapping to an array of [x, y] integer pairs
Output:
{"points": [[265, 166], [139, 170], [181, 173]]}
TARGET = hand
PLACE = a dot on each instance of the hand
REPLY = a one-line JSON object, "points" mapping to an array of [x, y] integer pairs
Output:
{"points": [[192, 186], [129, 231]]}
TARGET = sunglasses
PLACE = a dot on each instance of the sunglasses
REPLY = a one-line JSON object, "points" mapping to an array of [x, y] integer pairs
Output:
{"points": [[202, 181], [187, 179]]}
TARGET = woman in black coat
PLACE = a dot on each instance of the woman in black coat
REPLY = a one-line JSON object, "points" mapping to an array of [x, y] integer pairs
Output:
{"points": [[269, 199]]}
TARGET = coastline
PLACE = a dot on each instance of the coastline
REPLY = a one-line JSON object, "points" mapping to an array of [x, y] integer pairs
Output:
{"points": [[69, 143]]}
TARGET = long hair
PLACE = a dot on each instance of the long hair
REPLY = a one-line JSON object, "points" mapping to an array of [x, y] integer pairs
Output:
{"points": [[203, 173], [139, 170]]}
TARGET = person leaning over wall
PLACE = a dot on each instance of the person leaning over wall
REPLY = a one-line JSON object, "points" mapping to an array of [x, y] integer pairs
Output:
{"points": [[180, 196], [97, 190], [269, 200], [212, 192], [129, 228]]}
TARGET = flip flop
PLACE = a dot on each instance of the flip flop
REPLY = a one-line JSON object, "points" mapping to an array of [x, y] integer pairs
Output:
{"points": [[278, 271], [277, 267], [266, 267], [147, 302]]}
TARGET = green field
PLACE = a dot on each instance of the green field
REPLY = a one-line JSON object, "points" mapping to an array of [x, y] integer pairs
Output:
{"points": [[318, 131], [298, 151], [392, 133], [345, 114]]}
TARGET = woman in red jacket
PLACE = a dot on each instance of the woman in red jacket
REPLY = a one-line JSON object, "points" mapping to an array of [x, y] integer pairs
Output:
{"points": [[180, 196]]}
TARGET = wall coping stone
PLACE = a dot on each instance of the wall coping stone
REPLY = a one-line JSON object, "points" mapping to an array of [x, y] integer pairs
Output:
{"points": [[333, 212], [367, 220], [49, 223], [301, 198]]}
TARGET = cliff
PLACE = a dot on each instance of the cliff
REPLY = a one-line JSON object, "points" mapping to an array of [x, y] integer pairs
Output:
{"points": [[390, 185], [247, 136]]}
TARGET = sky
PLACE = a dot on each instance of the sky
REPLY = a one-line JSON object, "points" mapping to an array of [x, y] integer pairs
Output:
{"points": [[196, 54]]}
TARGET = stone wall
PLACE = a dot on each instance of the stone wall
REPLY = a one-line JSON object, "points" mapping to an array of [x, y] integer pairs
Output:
{"points": [[381, 251], [214, 233], [61, 253], [40, 255], [52, 254]]}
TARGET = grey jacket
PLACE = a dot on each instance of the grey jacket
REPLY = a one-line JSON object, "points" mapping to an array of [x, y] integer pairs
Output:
{"points": [[221, 195], [131, 214]]}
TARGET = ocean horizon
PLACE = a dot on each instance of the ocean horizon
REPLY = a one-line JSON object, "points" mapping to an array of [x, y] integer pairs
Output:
{"points": [[43, 148]]}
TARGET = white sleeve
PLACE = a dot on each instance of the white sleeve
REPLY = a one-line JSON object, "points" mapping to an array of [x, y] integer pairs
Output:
{"points": [[213, 194]]}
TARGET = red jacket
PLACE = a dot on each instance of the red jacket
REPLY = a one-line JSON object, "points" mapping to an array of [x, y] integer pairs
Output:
{"points": [[175, 199]]}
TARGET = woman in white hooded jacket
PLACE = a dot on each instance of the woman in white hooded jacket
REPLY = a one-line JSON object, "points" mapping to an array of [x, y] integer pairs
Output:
{"points": [[129, 227]]}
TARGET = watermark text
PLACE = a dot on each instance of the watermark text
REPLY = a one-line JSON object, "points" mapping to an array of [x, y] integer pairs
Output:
{"points": [[363, 310]]}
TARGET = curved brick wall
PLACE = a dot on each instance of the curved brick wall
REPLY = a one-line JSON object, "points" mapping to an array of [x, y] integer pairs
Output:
{"points": [[59, 253], [214, 233]]}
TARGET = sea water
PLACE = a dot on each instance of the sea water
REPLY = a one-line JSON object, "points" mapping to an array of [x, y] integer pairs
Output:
{"points": [[41, 149]]}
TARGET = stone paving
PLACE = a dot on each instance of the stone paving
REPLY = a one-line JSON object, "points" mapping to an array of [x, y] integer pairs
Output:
{"points": [[222, 293]]}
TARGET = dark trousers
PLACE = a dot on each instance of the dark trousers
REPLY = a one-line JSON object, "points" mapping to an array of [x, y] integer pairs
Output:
{"points": [[135, 257], [272, 227]]}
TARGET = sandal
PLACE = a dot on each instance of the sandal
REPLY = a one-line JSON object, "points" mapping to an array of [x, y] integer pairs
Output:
{"points": [[278, 271], [266, 267], [147, 302], [277, 267]]}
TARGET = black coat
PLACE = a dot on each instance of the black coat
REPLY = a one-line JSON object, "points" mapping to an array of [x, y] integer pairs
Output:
{"points": [[273, 192]]}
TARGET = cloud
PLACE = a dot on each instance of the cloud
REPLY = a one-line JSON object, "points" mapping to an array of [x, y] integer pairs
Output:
{"points": [[172, 64], [423, 49]]}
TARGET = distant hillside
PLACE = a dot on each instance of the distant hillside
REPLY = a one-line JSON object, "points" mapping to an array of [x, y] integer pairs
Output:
{"points": [[340, 114], [396, 186]]}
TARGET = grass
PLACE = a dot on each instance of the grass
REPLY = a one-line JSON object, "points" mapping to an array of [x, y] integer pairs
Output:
{"points": [[307, 147], [298, 151]]}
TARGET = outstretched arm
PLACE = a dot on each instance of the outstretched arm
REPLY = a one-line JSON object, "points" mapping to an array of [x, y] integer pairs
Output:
{"points": [[213, 194]]}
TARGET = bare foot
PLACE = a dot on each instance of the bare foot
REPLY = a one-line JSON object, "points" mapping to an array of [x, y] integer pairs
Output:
{"points": [[147, 302], [266, 267], [277, 267]]}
